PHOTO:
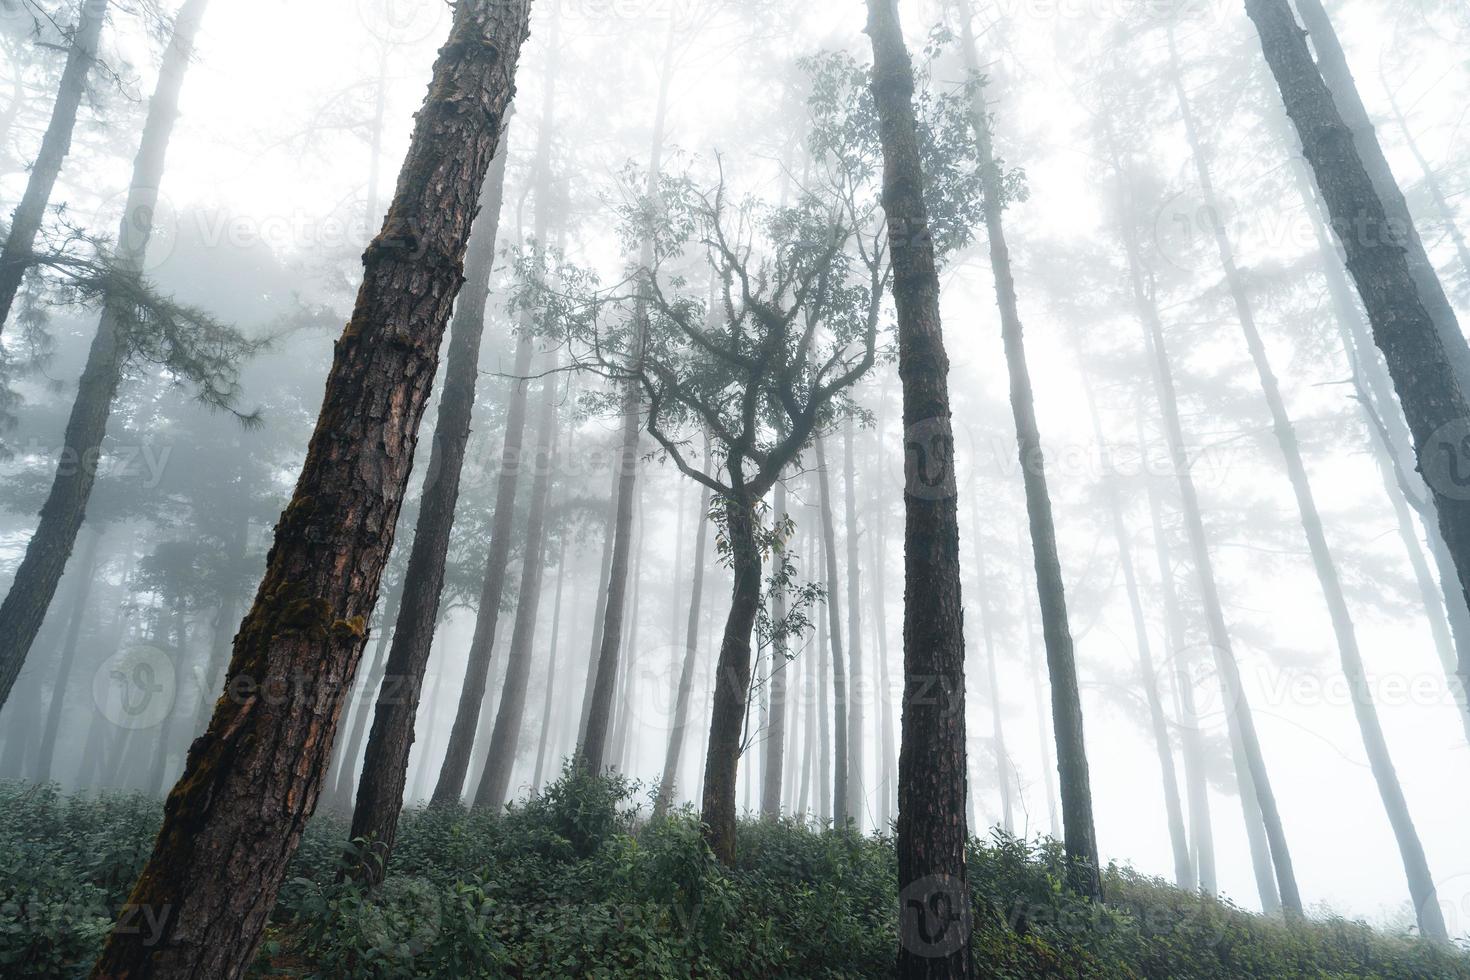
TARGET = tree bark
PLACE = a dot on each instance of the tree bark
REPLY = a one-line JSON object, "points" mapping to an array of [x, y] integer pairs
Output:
{"points": [[86, 572], [931, 766], [506, 737], [395, 710], [732, 681], [1411, 849], [251, 781], [1425, 351], [65, 508], [840, 813], [25, 223]]}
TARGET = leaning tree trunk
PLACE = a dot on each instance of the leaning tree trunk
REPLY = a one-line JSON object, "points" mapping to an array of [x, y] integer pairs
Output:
{"points": [[1411, 849], [780, 668], [25, 223], [1424, 351], [856, 795], [931, 764], [506, 737], [236, 816], [390, 741], [1078, 830], [732, 679], [86, 572], [61, 516], [840, 813]]}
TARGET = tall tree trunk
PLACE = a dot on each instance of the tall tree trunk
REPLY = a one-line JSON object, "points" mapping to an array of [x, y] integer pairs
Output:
{"points": [[997, 730], [809, 736], [593, 744], [61, 516], [25, 223], [732, 678], [390, 740], [1079, 832], [86, 572], [467, 723], [931, 766], [840, 813], [780, 671], [1043, 737], [879, 598], [824, 712], [506, 737], [599, 613], [251, 781], [1425, 350], [628, 666], [856, 795], [539, 773], [1411, 849]]}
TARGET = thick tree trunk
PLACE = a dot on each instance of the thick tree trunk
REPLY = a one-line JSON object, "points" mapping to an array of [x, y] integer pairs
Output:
{"points": [[86, 572], [1425, 351], [1080, 835], [61, 516], [395, 710], [934, 892], [780, 672], [856, 794], [732, 681], [251, 781], [25, 223], [1411, 849], [456, 766], [506, 737], [841, 766]]}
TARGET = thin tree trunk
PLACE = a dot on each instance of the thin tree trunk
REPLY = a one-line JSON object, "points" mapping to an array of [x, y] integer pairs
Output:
{"points": [[342, 789], [732, 679], [879, 596], [390, 741], [931, 767], [628, 667], [609, 524], [808, 740], [1044, 738], [158, 766], [824, 711], [777, 711], [252, 779], [997, 730], [87, 571], [856, 796], [456, 765], [539, 773], [1423, 347], [1079, 832], [61, 516], [840, 813], [1411, 849], [25, 223], [505, 740]]}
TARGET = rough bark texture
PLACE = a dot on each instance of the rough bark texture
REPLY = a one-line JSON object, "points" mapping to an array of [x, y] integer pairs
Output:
{"points": [[25, 223], [86, 572], [65, 508], [236, 816], [1411, 849], [390, 741], [732, 682], [1079, 833], [505, 739], [840, 771], [934, 893]]}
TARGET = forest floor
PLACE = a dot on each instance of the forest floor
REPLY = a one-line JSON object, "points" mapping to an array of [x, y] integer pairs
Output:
{"points": [[577, 882]]}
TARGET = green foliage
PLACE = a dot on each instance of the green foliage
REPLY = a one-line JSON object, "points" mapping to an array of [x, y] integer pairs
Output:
{"points": [[576, 883]]}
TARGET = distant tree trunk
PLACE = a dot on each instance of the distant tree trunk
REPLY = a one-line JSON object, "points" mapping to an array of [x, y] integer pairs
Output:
{"points": [[539, 773], [997, 729], [780, 670], [931, 766], [1077, 823], [824, 712], [251, 781], [732, 677], [856, 795], [226, 618], [599, 613], [61, 516], [390, 740], [1349, 113], [505, 740], [879, 598], [1411, 849], [1432, 185], [808, 739], [86, 572], [1038, 696], [25, 223], [628, 667], [840, 813], [158, 765], [1425, 350], [342, 789], [456, 766]]}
